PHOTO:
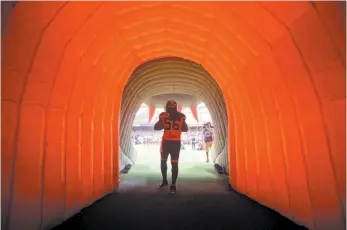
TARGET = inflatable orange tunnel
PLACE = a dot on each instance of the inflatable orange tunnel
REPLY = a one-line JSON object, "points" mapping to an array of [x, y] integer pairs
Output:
{"points": [[280, 66]]}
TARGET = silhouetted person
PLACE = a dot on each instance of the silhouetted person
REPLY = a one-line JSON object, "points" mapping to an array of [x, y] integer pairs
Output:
{"points": [[173, 123]]}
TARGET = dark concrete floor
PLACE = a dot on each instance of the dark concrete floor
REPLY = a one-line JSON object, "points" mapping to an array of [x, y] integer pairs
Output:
{"points": [[202, 202]]}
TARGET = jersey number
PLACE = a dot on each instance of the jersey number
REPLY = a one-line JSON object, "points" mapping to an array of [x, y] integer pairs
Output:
{"points": [[171, 125]]}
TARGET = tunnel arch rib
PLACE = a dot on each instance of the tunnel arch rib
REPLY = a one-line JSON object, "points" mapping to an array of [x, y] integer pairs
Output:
{"points": [[65, 65]]}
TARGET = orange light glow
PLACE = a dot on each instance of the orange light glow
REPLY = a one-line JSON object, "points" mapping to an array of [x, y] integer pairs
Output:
{"points": [[280, 66]]}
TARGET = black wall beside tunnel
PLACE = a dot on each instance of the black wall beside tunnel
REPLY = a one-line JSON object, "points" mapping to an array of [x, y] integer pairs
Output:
{"points": [[173, 76]]}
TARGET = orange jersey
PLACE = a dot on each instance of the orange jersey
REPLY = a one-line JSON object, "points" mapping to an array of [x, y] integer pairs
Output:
{"points": [[172, 128]]}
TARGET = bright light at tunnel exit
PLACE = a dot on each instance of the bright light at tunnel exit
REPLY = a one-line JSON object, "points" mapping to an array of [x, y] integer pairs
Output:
{"points": [[147, 141]]}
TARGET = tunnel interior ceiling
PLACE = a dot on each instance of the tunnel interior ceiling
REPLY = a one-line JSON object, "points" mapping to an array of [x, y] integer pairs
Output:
{"points": [[280, 67], [157, 77]]}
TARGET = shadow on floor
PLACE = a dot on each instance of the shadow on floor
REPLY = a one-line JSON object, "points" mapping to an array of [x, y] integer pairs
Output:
{"points": [[201, 203]]}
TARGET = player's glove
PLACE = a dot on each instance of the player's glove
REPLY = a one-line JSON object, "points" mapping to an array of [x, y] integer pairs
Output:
{"points": [[163, 117]]}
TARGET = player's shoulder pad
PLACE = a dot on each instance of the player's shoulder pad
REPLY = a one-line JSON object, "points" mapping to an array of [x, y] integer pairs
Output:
{"points": [[183, 116]]}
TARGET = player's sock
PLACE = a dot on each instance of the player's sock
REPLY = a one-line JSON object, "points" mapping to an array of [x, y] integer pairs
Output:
{"points": [[163, 167], [174, 169]]}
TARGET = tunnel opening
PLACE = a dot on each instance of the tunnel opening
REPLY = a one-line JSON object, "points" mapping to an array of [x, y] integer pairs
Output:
{"points": [[146, 140], [194, 89]]}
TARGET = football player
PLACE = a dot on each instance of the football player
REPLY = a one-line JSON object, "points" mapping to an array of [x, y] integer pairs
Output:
{"points": [[173, 123]]}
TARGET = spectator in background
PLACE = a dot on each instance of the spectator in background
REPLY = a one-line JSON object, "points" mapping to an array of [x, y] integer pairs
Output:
{"points": [[193, 143], [208, 139]]}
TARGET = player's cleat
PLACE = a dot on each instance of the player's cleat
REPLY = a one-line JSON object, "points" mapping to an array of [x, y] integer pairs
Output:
{"points": [[207, 160], [163, 184], [173, 189]]}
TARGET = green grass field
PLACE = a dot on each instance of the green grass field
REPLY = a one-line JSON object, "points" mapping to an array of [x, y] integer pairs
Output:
{"points": [[192, 169]]}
